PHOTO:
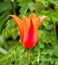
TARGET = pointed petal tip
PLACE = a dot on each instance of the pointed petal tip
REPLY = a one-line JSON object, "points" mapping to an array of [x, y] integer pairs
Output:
{"points": [[32, 16], [43, 17], [11, 15], [23, 16]]}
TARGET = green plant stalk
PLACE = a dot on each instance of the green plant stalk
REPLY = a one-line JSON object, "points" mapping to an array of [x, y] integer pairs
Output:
{"points": [[28, 56]]}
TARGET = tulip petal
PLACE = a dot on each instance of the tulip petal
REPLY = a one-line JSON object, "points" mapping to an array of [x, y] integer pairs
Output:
{"points": [[36, 37], [32, 16], [29, 38], [19, 24], [39, 20], [42, 18], [26, 24]]}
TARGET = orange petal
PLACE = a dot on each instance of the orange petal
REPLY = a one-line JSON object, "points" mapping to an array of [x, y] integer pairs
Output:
{"points": [[36, 23], [29, 38], [32, 16], [26, 24], [39, 20], [19, 24], [36, 37]]}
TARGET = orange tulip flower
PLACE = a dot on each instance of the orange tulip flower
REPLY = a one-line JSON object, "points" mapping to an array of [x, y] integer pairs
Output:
{"points": [[28, 28]]}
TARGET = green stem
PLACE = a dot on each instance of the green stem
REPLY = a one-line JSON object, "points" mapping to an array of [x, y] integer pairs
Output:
{"points": [[28, 56]]}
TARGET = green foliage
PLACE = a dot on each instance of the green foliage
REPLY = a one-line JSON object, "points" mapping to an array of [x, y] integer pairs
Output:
{"points": [[46, 50]]}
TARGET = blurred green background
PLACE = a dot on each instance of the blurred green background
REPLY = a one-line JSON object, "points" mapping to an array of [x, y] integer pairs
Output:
{"points": [[46, 50]]}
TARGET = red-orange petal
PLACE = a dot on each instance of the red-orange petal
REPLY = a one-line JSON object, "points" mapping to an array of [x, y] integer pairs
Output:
{"points": [[29, 39], [19, 24], [39, 20], [26, 24], [36, 37]]}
